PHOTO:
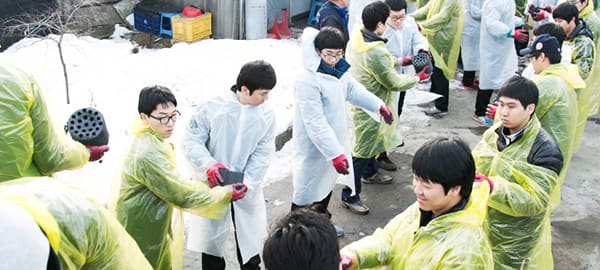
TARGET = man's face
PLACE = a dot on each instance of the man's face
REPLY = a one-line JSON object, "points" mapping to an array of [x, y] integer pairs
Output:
{"points": [[567, 26], [331, 56], [431, 196], [162, 119], [397, 18], [259, 96], [537, 63], [512, 113], [380, 29]]}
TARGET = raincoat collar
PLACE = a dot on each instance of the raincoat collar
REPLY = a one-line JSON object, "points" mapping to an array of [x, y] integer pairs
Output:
{"points": [[427, 216], [587, 10], [338, 71], [369, 36], [504, 140], [567, 72], [140, 127], [581, 29]]}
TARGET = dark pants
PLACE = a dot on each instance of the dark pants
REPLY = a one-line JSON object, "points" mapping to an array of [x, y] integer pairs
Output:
{"points": [[468, 77], [401, 103], [363, 167], [482, 100], [320, 206], [210, 262], [440, 85]]}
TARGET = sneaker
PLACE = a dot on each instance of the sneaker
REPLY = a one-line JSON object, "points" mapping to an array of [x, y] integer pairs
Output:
{"points": [[433, 111], [377, 178], [339, 231], [474, 86], [385, 163], [357, 207], [483, 120]]}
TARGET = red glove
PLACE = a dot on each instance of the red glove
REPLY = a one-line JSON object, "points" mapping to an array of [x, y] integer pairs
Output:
{"points": [[387, 115], [96, 151], [520, 35], [239, 190], [423, 74], [540, 15], [490, 111], [340, 163], [407, 60], [346, 261], [419, 27], [480, 178], [214, 177]]}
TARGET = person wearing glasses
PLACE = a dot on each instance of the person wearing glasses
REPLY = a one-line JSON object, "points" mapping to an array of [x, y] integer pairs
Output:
{"points": [[234, 132], [151, 188]]}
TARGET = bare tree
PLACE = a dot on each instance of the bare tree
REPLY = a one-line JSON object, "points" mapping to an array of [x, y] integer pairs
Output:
{"points": [[66, 19]]}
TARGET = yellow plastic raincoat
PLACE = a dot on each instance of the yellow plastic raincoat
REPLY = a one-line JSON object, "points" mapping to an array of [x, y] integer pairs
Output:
{"points": [[593, 81], [451, 241], [30, 146], [81, 232], [557, 111], [518, 220], [421, 3], [151, 188], [441, 23], [373, 66]]}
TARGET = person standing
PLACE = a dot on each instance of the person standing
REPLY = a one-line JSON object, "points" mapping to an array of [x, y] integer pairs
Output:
{"points": [[470, 43], [234, 131], [334, 13]]}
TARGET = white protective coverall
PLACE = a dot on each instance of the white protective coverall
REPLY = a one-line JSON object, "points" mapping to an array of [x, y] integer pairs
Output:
{"points": [[405, 41], [241, 137], [321, 127], [470, 36], [496, 49]]}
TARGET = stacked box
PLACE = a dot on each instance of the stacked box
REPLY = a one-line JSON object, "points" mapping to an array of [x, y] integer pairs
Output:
{"points": [[147, 22], [153, 16], [192, 29]]}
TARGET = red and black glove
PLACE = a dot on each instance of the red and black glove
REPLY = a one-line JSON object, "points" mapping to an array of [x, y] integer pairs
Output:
{"points": [[214, 177], [539, 16], [387, 114], [520, 35], [346, 262], [423, 74], [480, 178], [97, 151], [340, 163], [406, 61], [239, 190]]}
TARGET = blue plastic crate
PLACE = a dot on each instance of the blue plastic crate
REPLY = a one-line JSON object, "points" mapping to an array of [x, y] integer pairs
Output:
{"points": [[166, 23], [145, 22]]}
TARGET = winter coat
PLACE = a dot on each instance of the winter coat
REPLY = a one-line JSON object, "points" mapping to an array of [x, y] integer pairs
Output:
{"points": [[30, 144], [405, 41], [496, 47], [81, 232], [454, 240], [373, 67], [242, 138], [441, 23], [471, 33], [524, 176], [150, 190], [331, 15], [592, 21]]}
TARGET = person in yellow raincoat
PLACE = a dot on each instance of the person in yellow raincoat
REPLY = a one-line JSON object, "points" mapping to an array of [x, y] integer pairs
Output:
{"points": [[441, 22], [523, 161], [151, 187], [373, 66], [30, 145], [557, 109], [48, 225], [443, 229]]}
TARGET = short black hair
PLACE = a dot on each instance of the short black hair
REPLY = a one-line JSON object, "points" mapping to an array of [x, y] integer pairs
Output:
{"points": [[522, 89], [257, 74], [329, 38], [302, 240], [551, 29], [374, 13], [446, 161], [396, 5], [152, 96], [565, 11]]}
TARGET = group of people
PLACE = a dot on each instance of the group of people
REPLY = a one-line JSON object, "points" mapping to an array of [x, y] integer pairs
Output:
{"points": [[475, 209]]}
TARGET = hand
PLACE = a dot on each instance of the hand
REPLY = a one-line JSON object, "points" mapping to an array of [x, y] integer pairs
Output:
{"points": [[423, 74], [480, 178], [239, 190], [540, 15], [520, 35], [340, 163], [346, 262], [386, 113], [490, 111], [406, 61], [97, 151], [214, 177]]}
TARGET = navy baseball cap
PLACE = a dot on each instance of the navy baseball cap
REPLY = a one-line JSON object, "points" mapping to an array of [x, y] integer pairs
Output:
{"points": [[543, 43]]}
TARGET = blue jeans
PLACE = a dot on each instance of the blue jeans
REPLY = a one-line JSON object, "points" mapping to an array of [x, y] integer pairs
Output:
{"points": [[363, 167]]}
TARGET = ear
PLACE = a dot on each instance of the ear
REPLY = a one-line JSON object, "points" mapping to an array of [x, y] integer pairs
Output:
{"points": [[530, 108], [144, 117], [455, 191]]}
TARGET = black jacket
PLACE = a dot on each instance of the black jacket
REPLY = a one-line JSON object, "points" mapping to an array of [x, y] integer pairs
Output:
{"points": [[331, 15]]}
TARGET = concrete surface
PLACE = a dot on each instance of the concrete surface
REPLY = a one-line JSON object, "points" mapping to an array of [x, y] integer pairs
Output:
{"points": [[575, 229]]}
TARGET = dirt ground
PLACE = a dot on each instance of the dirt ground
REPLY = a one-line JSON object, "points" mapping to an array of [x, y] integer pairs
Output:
{"points": [[575, 229]]}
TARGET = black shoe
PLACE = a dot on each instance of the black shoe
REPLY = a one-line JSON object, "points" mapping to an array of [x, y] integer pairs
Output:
{"points": [[386, 164], [357, 207], [377, 178]]}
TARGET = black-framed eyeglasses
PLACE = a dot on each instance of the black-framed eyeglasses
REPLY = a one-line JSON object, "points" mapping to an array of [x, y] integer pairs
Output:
{"points": [[398, 18], [165, 119], [334, 55]]}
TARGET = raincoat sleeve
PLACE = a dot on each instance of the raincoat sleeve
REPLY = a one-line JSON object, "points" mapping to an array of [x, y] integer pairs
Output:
{"points": [[358, 95], [310, 106], [583, 57], [475, 9], [382, 66], [494, 26], [421, 13], [440, 20], [53, 150], [258, 162], [196, 138], [418, 41]]}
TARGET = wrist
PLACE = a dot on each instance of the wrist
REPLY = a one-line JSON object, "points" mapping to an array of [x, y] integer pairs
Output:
{"points": [[510, 33]]}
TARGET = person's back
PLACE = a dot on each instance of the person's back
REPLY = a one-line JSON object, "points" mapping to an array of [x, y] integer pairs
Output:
{"points": [[81, 232], [30, 145], [592, 21]]}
